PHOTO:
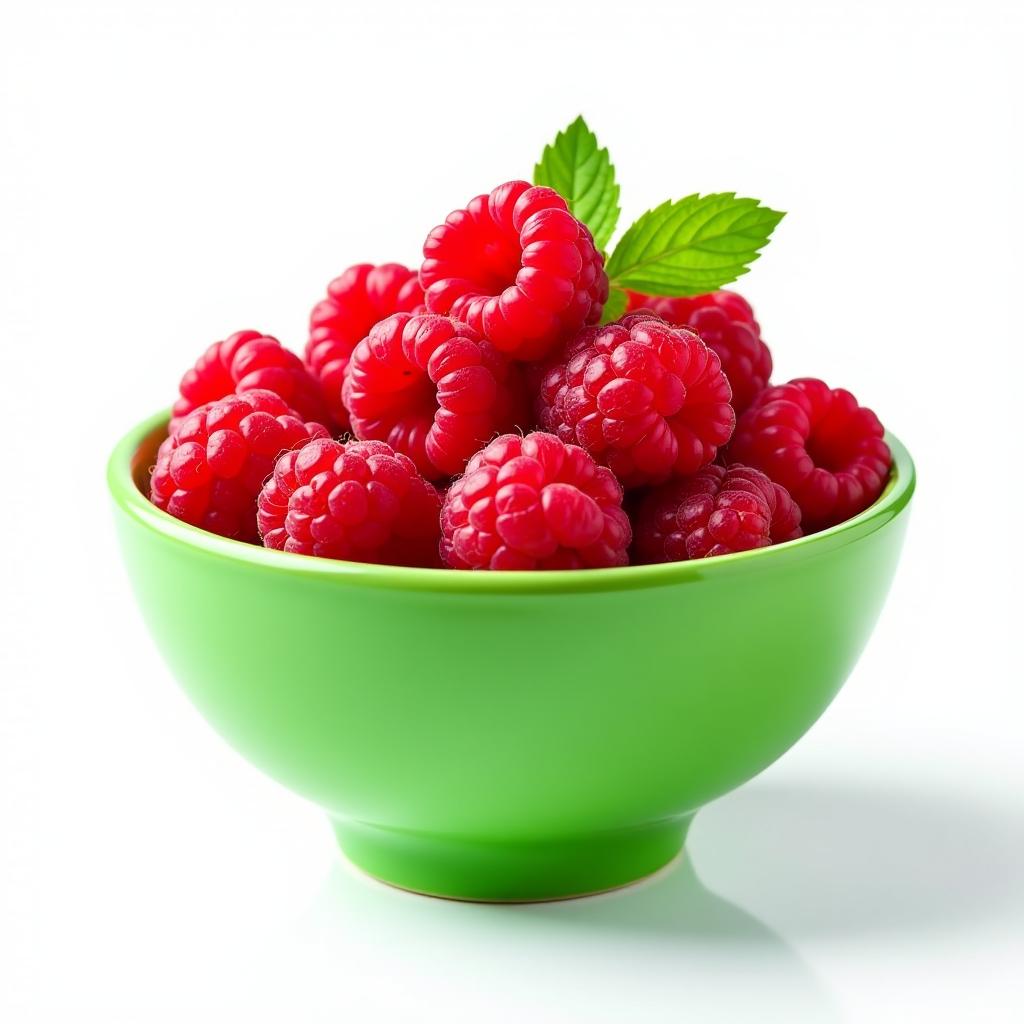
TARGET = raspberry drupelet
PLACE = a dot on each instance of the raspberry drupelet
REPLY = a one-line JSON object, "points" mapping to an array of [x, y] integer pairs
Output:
{"points": [[816, 441], [717, 511], [534, 503], [245, 361], [356, 300], [726, 323], [211, 467], [432, 389], [360, 501], [518, 268], [648, 400]]}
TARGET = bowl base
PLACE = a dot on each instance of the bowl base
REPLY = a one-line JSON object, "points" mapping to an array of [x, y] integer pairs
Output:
{"points": [[510, 872]]}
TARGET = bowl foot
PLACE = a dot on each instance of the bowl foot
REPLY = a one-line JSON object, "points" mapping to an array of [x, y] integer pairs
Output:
{"points": [[510, 872]]}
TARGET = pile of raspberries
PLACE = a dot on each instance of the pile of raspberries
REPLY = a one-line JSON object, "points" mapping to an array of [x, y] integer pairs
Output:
{"points": [[476, 415]]}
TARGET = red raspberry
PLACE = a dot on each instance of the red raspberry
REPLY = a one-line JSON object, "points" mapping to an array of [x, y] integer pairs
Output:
{"points": [[355, 301], [716, 511], [246, 361], [360, 501], [725, 322], [823, 447], [518, 268], [211, 468], [648, 400], [432, 389], [534, 503], [731, 302]]}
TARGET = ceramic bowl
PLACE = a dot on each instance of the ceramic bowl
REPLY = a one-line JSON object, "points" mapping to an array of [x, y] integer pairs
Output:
{"points": [[507, 736]]}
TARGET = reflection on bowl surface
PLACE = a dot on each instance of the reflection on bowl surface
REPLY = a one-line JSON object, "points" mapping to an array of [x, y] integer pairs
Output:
{"points": [[507, 736]]}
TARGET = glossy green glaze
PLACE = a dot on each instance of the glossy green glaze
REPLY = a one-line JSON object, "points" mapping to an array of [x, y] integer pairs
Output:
{"points": [[507, 735]]}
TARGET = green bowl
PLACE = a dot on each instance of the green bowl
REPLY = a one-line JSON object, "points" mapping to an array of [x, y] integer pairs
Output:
{"points": [[507, 736]]}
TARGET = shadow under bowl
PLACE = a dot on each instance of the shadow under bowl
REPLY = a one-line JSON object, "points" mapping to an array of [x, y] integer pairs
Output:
{"points": [[507, 736]]}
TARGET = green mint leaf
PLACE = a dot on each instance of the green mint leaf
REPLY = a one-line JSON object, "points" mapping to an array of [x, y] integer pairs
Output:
{"points": [[615, 306], [693, 245], [577, 169]]}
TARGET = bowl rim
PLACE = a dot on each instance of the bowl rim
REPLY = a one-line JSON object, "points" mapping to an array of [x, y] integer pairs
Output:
{"points": [[130, 500]]}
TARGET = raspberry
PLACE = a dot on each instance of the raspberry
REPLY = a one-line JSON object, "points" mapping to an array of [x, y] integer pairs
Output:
{"points": [[246, 361], [432, 389], [211, 467], [731, 302], [534, 503], [648, 400], [717, 511], [360, 501], [823, 447], [518, 268], [726, 323], [355, 301]]}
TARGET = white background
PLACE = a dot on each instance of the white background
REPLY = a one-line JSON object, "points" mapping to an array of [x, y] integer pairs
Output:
{"points": [[172, 172]]}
